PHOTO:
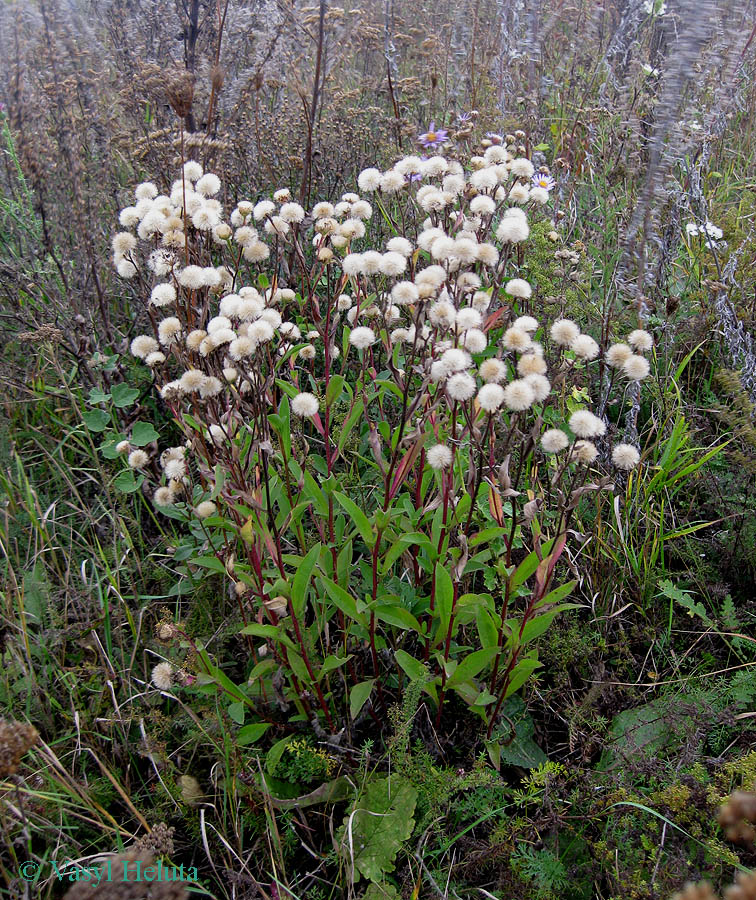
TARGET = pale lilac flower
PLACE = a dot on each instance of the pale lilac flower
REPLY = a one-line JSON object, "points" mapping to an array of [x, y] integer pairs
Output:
{"points": [[434, 137]]}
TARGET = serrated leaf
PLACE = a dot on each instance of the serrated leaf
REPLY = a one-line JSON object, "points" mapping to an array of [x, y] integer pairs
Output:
{"points": [[373, 832]]}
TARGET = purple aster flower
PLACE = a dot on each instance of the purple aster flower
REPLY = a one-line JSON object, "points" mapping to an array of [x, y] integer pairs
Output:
{"points": [[464, 118], [434, 137], [543, 181], [413, 178]]}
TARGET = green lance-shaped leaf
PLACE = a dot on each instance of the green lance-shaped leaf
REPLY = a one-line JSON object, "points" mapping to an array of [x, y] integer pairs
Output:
{"points": [[373, 832]]}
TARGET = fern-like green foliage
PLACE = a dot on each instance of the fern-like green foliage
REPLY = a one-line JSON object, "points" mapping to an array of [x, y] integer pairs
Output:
{"points": [[377, 826]]}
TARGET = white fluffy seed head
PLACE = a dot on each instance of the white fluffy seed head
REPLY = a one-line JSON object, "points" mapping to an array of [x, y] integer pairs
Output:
{"points": [[461, 386], [362, 337], [584, 347], [563, 332], [305, 405], [531, 364], [584, 452], [617, 354], [439, 457], [142, 345], [492, 371], [516, 339], [369, 180], [137, 459], [640, 340], [635, 367], [490, 397], [554, 440], [584, 424], [518, 395], [625, 456], [205, 509], [475, 340], [162, 673], [518, 287]]}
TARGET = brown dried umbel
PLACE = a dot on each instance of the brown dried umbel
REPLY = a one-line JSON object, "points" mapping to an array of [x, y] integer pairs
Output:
{"points": [[180, 93], [114, 887], [738, 818], [159, 841], [15, 739]]}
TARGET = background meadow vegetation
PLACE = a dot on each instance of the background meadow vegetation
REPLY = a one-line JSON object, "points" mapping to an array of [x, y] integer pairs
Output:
{"points": [[347, 718]]}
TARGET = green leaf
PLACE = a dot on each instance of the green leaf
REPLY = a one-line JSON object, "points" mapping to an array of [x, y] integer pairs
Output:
{"points": [[332, 662], [358, 696], [97, 395], [349, 424], [335, 387], [250, 734], [96, 420], [142, 433], [236, 712], [344, 601], [273, 756], [444, 599], [123, 395], [520, 674], [375, 829], [471, 665], [209, 562], [398, 616], [357, 516], [302, 580], [411, 666], [126, 482], [487, 629], [517, 747]]}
